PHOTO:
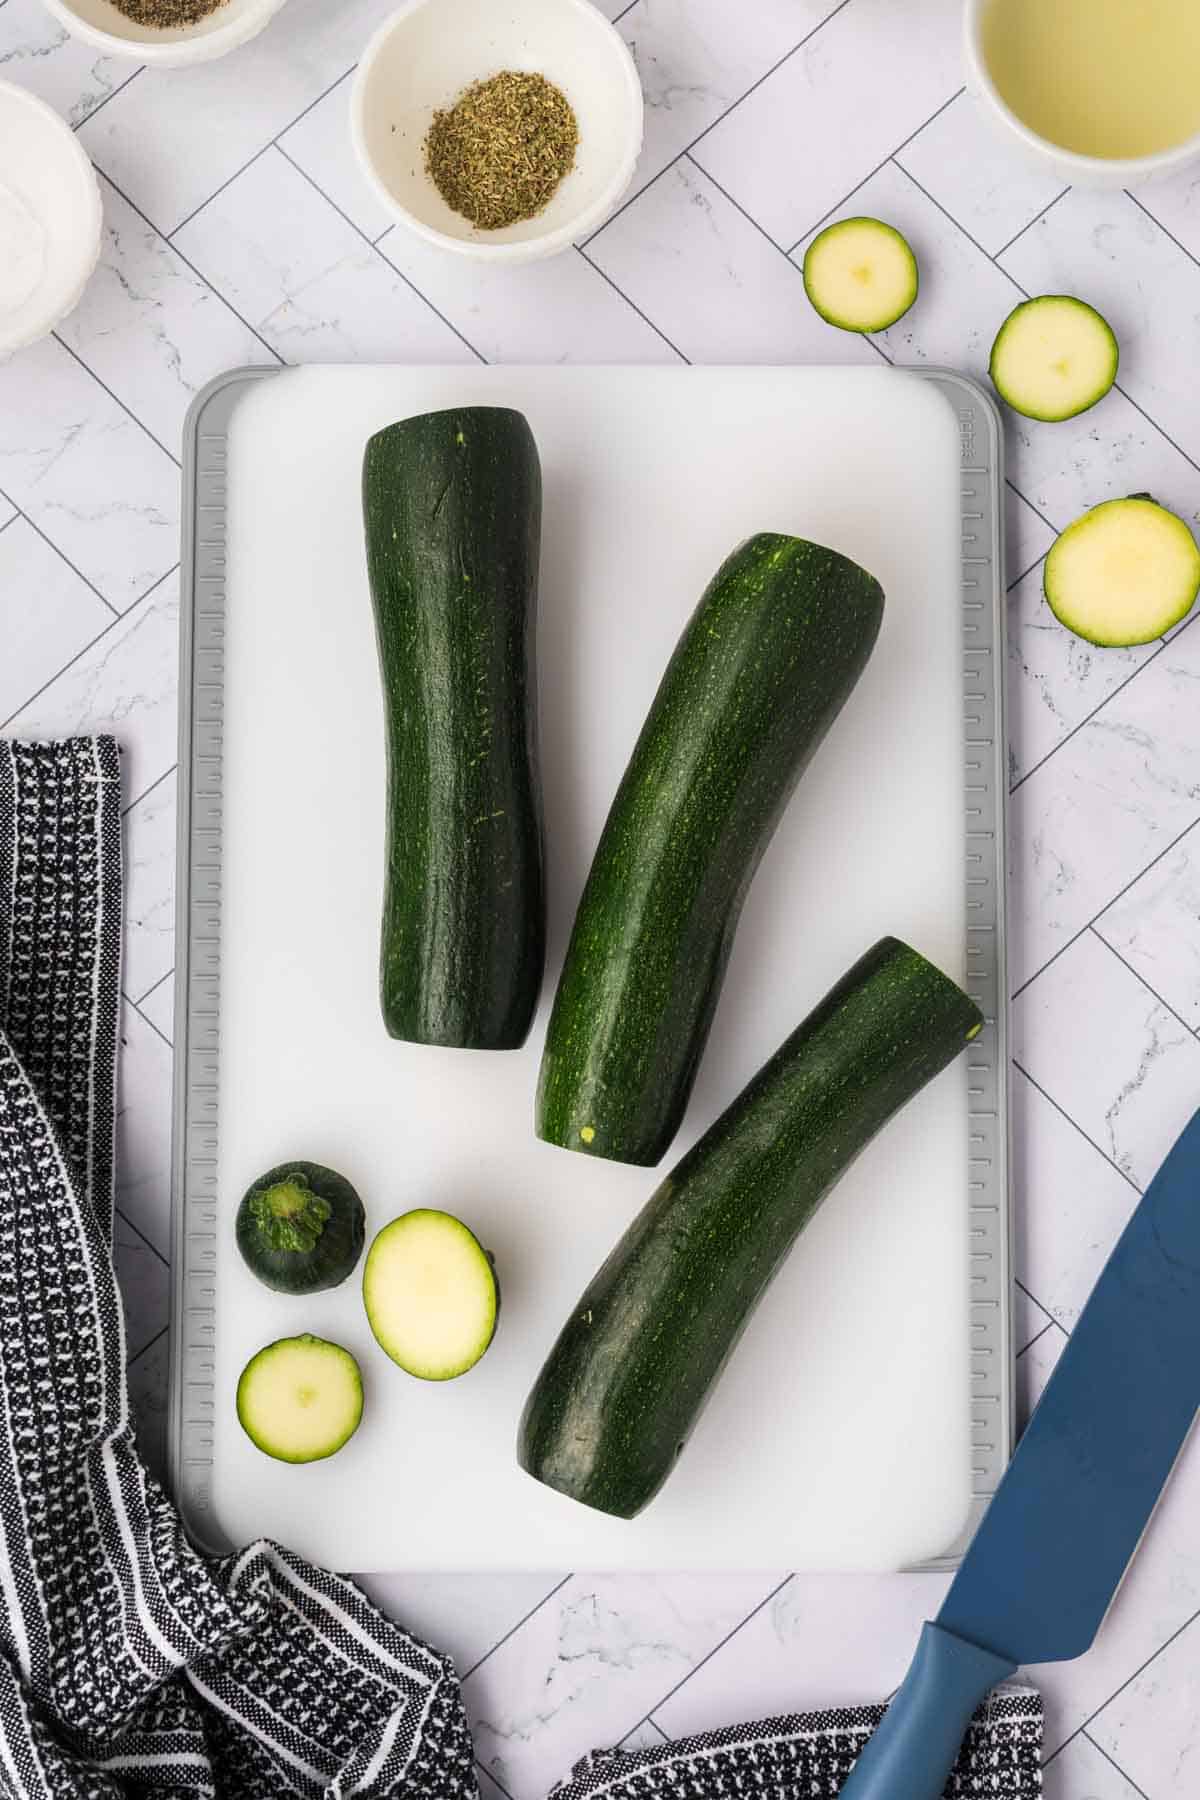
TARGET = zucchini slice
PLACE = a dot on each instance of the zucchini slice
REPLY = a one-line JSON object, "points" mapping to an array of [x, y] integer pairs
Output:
{"points": [[1053, 358], [300, 1399], [860, 274], [431, 1296], [301, 1228], [1123, 573]]}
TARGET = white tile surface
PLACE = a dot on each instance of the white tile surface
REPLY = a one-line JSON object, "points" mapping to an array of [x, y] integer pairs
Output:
{"points": [[1030, 1318], [145, 1286], [1117, 794], [465, 1615], [562, 310], [305, 279], [806, 137], [124, 683], [148, 1403], [89, 476], [150, 328], [1070, 1204], [715, 285], [1156, 928], [592, 1663], [963, 161], [149, 890], [40, 54], [50, 613], [1092, 829], [1137, 1086]]}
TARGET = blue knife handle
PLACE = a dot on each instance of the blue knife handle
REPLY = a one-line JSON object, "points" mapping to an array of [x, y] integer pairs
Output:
{"points": [[918, 1740]]}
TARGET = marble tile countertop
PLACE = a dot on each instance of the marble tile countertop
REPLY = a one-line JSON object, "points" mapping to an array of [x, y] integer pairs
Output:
{"points": [[237, 230]]}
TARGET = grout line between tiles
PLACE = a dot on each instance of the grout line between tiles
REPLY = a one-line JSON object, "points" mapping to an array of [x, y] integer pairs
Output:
{"points": [[1088, 717], [111, 95], [1036, 220], [148, 1022], [18, 514], [1033, 1299], [171, 235], [155, 985], [1063, 1113], [1167, 232], [1024, 576], [1082, 1730], [713, 123], [523, 1620], [871, 174], [605, 276], [128, 411], [1050, 1325], [1139, 977], [737, 205], [138, 1232], [116, 620], [624, 12], [87, 581], [382, 254], [1048, 523], [189, 264], [495, 1780], [138, 1355], [648, 1717], [1112, 1762], [147, 791], [1132, 882]]}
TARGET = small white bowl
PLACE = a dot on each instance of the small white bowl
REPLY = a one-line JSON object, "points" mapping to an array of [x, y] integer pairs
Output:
{"points": [[100, 23], [50, 218], [1068, 165], [429, 51]]}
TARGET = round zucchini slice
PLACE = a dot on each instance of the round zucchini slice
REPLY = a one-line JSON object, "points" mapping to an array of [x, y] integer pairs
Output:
{"points": [[431, 1296], [300, 1399], [301, 1228], [1123, 573], [1053, 358], [860, 274]]}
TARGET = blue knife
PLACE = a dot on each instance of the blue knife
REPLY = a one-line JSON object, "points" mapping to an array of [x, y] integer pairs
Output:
{"points": [[1067, 1517]]}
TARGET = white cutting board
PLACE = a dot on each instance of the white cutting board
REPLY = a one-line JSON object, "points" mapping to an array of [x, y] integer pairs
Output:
{"points": [[838, 1437]]}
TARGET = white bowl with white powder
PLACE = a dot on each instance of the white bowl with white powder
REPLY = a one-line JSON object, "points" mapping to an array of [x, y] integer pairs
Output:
{"points": [[50, 218]]}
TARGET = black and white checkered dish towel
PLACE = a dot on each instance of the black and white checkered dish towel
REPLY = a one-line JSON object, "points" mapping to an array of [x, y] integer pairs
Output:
{"points": [[129, 1663]]}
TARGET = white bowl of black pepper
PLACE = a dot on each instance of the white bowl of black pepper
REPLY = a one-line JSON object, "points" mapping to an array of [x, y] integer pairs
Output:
{"points": [[165, 33], [505, 130]]}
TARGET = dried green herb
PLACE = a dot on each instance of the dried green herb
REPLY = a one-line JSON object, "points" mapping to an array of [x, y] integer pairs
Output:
{"points": [[497, 155], [165, 13]]}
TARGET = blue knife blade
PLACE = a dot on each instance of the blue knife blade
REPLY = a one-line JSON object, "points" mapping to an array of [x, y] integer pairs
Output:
{"points": [[1064, 1522]]}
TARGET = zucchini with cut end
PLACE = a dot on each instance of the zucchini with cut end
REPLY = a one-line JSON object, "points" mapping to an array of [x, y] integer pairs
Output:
{"points": [[1123, 573], [301, 1228], [860, 274], [452, 503], [431, 1294], [761, 671], [300, 1399], [1053, 358], [633, 1366]]}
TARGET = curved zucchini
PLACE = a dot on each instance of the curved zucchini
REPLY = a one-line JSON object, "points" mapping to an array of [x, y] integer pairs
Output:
{"points": [[452, 507], [626, 1381], [759, 675], [1124, 573], [301, 1228], [860, 275]]}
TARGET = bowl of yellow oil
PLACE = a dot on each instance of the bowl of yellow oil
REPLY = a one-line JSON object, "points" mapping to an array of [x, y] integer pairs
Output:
{"points": [[1106, 92]]}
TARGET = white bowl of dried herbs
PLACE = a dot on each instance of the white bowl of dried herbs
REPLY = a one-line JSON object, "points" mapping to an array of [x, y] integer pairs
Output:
{"points": [[501, 129], [165, 33]]}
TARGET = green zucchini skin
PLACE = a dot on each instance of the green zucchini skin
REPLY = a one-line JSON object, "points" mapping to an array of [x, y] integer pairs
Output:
{"points": [[763, 667], [332, 1229], [632, 1368], [452, 508]]}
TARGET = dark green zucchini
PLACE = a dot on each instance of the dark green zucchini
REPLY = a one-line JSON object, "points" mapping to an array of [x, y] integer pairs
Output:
{"points": [[301, 1228], [759, 675], [452, 505], [627, 1379]]}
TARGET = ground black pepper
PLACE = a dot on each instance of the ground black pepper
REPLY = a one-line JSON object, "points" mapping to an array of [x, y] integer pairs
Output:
{"points": [[165, 13], [498, 154]]}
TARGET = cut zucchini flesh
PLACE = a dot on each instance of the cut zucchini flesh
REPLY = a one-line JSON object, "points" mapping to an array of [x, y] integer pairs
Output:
{"points": [[1054, 357], [860, 274], [300, 1398], [1123, 573], [431, 1295]]}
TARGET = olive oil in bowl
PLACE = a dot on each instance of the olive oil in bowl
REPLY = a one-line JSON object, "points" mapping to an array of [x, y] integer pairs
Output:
{"points": [[1104, 78]]}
